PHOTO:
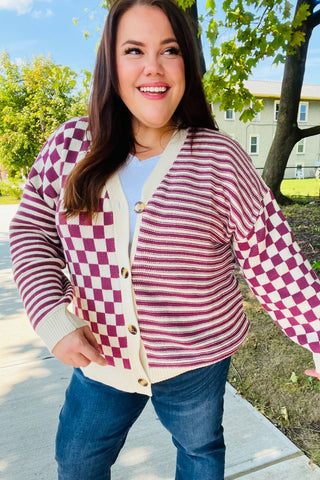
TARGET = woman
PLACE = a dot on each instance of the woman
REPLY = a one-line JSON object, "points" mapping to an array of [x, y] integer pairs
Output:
{"points": [[157, 313]]}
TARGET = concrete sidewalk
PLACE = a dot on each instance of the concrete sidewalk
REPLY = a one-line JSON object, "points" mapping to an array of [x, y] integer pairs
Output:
{"points": [[32, 386]]}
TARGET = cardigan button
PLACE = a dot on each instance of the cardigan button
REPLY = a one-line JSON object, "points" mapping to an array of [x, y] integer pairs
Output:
{"points": [[143, 382], [139, 207], [133, 330], [124, 272]]}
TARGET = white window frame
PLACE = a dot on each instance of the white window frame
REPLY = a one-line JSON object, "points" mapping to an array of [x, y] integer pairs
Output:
{"points": [[304, 104], [300, 171], [226, 115], [256, 145], [301, 143], [276, 110]]}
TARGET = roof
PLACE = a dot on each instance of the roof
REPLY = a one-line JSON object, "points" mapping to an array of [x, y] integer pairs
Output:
{"points": [[264, 89]]}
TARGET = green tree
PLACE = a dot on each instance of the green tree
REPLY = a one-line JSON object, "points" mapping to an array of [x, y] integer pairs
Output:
{"points": [[35, 98], [288, 132], [256, 30], [260, 29]]}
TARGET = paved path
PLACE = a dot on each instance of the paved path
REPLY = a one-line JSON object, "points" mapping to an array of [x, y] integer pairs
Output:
{"points": [[32, 386]]}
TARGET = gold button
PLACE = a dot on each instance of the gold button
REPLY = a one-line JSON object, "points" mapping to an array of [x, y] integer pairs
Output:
{"points": [[132, 329], [139, 207], [124, 272], [143, 382]]}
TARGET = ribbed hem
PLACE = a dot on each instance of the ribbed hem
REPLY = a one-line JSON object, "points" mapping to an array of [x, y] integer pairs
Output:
{"points": [[160, 374], [59, 323]]}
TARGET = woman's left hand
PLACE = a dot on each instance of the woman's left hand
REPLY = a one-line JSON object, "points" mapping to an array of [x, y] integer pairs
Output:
{"points": [[312, 373]]}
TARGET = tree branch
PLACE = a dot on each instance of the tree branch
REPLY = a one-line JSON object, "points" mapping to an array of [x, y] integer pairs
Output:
{"points": [[261, 18], [315, 19], [308, 132]]}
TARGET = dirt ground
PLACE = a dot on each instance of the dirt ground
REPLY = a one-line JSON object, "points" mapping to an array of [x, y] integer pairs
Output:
{"points": [[269, 368]]}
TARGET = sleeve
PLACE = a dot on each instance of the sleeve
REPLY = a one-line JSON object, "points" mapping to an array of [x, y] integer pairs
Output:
{"points": [[281, 277], [37, 256]]}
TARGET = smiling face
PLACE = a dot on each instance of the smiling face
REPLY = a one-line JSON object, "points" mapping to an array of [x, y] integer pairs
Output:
{"points": [[150, 68]]}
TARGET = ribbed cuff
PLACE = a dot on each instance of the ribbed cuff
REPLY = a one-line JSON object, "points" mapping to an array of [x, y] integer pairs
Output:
{"points": [[316, 359], [59, 323]]}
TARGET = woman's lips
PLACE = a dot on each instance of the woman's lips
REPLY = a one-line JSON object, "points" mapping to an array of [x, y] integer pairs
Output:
{"points": [[153, 89], [154, 92]]}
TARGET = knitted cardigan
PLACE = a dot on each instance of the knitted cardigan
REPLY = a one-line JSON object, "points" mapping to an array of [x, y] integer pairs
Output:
{"points": [[174, 304]]}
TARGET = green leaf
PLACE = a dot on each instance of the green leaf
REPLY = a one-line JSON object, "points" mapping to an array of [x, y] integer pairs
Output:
{"points": [[301, 15], [294, 378], [210, 5], [284, 414], [280, 58], [297, 38]]}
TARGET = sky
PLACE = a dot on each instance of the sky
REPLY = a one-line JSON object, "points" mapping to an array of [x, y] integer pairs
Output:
{"points": [[46, 27]]}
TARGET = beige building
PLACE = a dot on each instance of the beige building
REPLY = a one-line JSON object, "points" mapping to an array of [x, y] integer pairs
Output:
{"points": [[256, 136]]}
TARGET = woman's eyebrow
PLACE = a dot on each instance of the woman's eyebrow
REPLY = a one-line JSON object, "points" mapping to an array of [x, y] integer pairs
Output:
{"points": [[140, 44]]}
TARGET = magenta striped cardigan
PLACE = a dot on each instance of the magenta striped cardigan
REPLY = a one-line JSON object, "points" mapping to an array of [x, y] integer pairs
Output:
{"points": [[174, 304]]}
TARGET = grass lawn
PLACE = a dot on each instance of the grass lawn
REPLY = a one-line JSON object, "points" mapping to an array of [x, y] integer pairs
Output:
{"points": [[8, 200], [309, 187]]}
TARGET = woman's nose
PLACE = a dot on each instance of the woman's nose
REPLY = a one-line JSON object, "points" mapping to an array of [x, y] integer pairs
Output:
{"points": [[153, 65]]}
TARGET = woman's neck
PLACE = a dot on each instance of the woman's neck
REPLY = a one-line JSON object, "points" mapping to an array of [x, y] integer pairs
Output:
{"points": [[151, 142]]}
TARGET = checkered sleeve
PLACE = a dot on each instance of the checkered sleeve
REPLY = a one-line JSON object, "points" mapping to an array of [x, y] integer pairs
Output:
{"points": [[281, 277], [37, 256]]}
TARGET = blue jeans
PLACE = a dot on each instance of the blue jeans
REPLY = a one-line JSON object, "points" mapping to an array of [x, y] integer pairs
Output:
{"points": [[95, 421]]}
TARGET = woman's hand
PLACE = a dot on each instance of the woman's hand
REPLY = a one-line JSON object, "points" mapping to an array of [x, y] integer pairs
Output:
{"points": [[79, 349], [312, 373]]}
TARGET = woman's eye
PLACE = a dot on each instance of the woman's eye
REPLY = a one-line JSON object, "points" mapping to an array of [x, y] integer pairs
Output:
{"points": [[133, 51], [172, 51]]}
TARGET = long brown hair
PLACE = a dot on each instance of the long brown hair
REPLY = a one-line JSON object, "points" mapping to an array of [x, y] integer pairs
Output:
{"points": [[110, 120]]}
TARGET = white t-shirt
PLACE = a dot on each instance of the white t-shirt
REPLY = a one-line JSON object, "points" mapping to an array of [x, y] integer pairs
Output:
{"points": [[133, 176]]}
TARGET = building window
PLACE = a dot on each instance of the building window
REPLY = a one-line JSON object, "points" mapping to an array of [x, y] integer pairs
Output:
{"points": [[256, 118], [254, 144], [229, 114], [303, 112], [276, 110], [301, 146]]}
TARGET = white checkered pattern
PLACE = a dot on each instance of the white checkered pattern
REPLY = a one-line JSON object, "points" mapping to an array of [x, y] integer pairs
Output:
{"points": [[90, 253], [281, 277], [88, 248]]}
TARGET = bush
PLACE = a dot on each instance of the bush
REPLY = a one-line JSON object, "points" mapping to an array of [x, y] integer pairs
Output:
{"points": [[12, 188]]}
